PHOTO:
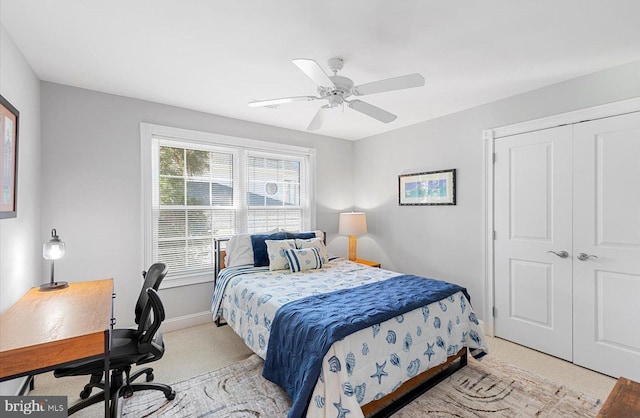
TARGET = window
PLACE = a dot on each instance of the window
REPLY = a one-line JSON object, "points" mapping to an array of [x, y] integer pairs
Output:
{"points": [[201, 186]]}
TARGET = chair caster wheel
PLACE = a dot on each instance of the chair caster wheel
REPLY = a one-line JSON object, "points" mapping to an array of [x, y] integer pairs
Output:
{"points": [[85, 393], [171, 396], [127, 392], [150, 377]]}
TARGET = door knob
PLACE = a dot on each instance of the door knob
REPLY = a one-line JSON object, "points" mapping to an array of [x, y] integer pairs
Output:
{"points": [[561, 254], [585, 257]]}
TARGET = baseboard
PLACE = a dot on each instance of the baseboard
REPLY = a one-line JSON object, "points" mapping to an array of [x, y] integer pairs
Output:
{"points": [[186, 321]]}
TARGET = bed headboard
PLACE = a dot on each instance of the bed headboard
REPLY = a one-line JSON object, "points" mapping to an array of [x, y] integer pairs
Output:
{"points": [[220, 245]]}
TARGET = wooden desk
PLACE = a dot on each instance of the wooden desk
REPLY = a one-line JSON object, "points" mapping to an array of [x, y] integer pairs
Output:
{"points": [[46, 329], [623, 401]]}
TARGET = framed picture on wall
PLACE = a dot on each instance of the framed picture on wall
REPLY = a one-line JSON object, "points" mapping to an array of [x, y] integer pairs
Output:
{"points": [[429, 188], [8, 158]]}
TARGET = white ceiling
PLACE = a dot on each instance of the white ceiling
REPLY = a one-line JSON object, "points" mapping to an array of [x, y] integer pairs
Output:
{"points": [[215, 56]]}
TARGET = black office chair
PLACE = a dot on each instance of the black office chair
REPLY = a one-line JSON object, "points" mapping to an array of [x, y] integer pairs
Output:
{"points": [[129, 346], [152, 279]]}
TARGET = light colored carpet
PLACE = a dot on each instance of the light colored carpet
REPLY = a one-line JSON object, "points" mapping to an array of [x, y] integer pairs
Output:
{"points": [[190, 352], [487, 388], [200, 349]]}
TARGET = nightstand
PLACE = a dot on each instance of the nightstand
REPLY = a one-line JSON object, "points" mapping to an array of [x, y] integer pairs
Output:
{"points": [[368, 263]]}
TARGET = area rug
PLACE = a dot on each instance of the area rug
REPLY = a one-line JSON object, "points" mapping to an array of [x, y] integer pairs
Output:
{"points": [[487, 388]]}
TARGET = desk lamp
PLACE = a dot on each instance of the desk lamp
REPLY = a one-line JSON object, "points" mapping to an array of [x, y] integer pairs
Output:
{"points": [[53, 250], [352, 224]]}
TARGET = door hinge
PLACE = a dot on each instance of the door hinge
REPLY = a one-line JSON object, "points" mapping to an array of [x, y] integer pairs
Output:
{"points": [[494, 157], [495, 312], [494, 234]]}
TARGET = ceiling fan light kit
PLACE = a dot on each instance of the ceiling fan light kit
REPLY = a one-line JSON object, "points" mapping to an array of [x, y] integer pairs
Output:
{"points": [[336, 89]]}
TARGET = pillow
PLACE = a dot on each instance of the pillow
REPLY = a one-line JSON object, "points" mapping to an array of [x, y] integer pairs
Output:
{"points": [[260, 256], [239, 251], [313, 243], [304, 259], [300, 235], [276, 252]]}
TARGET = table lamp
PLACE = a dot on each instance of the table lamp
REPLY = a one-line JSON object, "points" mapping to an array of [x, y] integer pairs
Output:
{"points": [[352, 224], [53, 250]]}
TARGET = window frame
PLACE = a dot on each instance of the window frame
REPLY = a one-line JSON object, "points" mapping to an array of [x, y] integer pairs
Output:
{"points": [[148, 132]]}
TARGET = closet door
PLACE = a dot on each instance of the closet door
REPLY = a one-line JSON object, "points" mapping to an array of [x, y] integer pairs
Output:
{"points": [[533, 209], [606, 278]]}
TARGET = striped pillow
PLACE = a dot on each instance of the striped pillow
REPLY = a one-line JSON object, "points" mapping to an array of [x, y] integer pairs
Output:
{"points": [[304, 259], [311, 243]]}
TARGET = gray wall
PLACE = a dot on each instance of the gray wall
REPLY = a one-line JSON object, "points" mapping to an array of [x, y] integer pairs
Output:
{"points": [[91, 189], [447, 242], [21, 237]]}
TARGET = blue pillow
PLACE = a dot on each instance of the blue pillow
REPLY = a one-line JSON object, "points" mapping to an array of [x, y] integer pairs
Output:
{"points": [[300, 235], [260, 255]]}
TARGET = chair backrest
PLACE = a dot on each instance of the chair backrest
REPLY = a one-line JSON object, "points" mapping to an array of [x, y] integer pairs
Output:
{"points": [[152, 279], [149, 337]]}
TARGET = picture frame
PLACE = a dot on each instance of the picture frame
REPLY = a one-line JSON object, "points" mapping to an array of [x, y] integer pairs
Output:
{"points": [[9, 126], [428, 188]]}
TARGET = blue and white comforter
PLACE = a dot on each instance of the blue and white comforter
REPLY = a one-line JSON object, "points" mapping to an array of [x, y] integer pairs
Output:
{"points": [[366, 365]]}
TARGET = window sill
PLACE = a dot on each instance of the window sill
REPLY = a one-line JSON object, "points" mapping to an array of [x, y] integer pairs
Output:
{"points": [[187, 280]]}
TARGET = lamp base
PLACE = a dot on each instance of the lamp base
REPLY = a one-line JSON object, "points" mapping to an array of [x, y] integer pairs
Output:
{"points": [[353, 244], [53, 286]]}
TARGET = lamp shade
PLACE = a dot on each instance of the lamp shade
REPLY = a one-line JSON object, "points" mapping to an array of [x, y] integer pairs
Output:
{"points": [[352, 223], [54, 249]]}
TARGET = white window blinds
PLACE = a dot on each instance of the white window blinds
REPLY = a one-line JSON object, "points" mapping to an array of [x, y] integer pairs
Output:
{"points": [[275, 193], [193, 204], [201, 190]]}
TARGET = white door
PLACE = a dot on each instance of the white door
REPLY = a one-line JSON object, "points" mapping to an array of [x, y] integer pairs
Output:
{"points": [[533, 211], [606, 225]]}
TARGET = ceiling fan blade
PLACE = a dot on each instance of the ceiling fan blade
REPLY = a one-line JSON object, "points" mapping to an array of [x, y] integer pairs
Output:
{"points": [[396, 83], [318, 119], [313, 70], [373, 111], [283, 100]]}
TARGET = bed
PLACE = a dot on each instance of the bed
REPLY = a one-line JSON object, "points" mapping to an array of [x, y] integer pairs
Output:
{"points": [[365, 372]]}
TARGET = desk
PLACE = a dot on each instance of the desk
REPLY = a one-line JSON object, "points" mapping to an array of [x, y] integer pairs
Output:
{"points": [[44, 330]]}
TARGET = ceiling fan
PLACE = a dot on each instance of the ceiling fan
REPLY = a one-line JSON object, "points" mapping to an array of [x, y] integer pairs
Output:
{"points": [[336, 89]]}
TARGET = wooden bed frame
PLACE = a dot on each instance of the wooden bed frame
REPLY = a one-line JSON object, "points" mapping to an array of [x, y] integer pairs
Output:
{"points": [[407, 392]]}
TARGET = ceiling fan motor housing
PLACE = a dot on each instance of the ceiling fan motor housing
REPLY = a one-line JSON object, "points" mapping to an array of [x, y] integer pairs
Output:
{"points": [[342, 89]]}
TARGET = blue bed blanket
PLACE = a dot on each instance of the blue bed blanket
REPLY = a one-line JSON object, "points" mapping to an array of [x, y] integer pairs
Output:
{"points": [[303, 331]]}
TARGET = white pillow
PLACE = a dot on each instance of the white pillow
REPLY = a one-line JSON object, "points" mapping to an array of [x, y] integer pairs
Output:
{"points": [[314, 243], [304, 259], [276, 251], [239, 251]]}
